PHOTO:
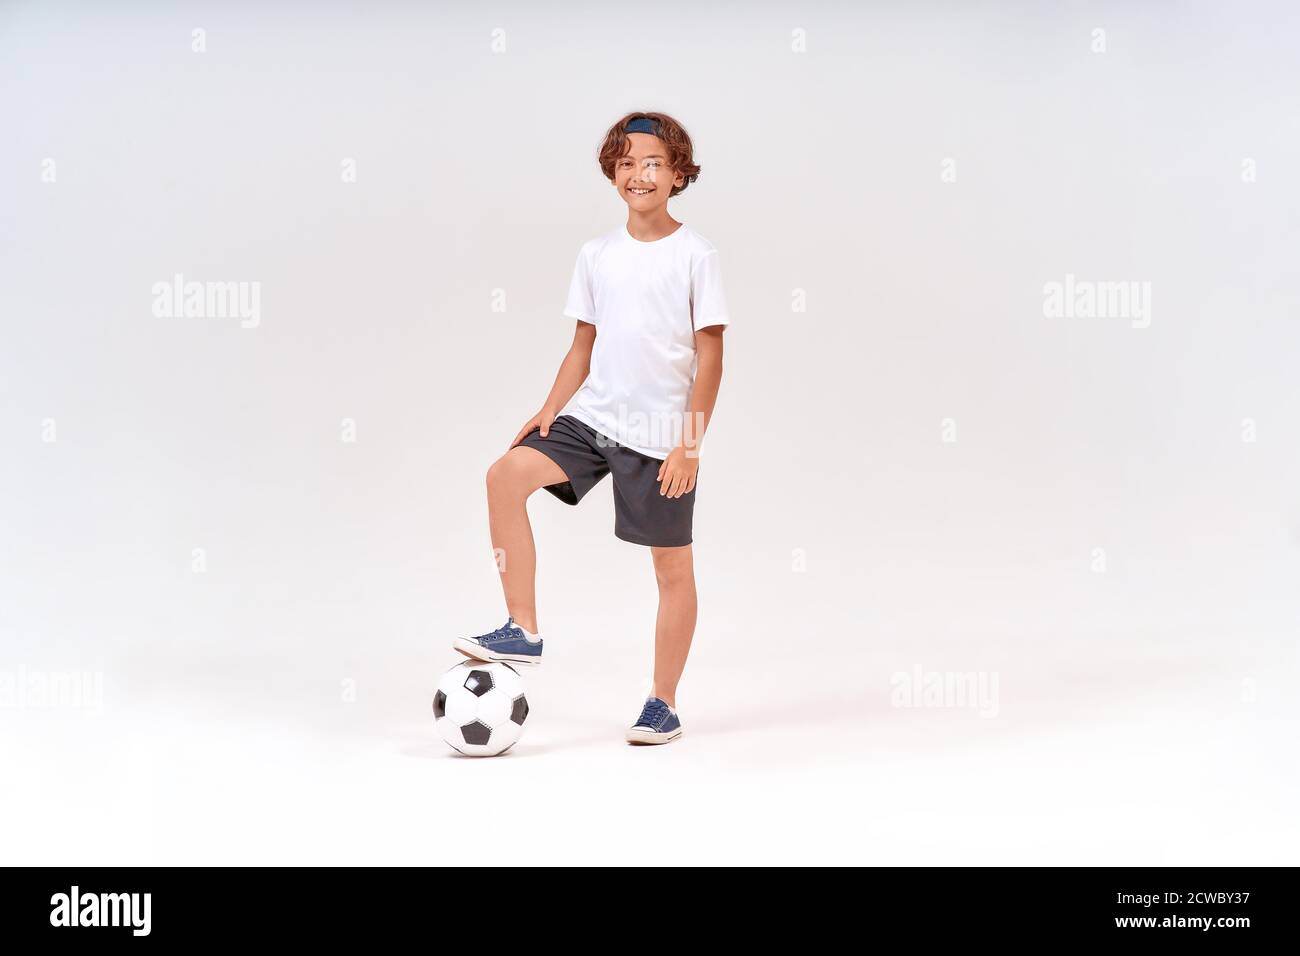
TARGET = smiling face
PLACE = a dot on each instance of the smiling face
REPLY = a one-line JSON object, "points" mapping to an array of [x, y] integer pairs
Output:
{"points": [[642, 175]]}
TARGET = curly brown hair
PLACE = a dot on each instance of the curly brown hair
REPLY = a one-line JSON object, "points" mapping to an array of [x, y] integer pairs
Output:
{"points": [[680, 151]]}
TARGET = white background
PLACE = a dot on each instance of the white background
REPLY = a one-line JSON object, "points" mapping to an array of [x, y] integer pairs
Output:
{"points": [[275, 708]]}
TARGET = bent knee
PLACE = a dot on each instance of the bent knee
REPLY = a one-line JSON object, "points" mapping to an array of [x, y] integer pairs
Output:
{"points": [[499, 474], [509, 475]]}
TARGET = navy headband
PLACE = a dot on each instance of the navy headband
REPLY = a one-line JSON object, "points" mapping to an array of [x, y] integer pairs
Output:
{"points": [[640, 125]]}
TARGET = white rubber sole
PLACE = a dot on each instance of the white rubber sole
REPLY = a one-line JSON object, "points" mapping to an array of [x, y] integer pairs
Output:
{"points": [[476, 651], [638, 736]]}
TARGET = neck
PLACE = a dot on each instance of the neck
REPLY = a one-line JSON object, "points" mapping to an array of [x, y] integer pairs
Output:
{"points": [[649, 226]]}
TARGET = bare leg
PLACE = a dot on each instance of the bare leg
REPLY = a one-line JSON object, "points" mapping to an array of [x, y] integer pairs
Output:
{"points": [[675, 624], [510, 480]]}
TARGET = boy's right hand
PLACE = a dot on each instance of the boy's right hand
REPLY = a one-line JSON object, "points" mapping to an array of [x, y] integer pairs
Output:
{"points": [[542, 419]]}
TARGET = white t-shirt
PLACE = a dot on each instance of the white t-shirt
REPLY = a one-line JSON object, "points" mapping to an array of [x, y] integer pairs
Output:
{"points": [[646, 299]]}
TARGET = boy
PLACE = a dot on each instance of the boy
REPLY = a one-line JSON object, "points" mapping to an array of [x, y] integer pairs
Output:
{"points": [[645, 364]]}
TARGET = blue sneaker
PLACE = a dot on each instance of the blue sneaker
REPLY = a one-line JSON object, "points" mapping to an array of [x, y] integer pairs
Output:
{"points": [[507, 643], [658, 724]]}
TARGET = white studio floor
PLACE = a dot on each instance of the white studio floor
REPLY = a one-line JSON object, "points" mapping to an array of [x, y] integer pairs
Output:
{"points": [[1126, 761]]}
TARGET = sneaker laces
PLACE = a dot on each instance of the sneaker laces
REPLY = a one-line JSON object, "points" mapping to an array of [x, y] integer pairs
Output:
{"points": [[505, 632], [653, 714]]}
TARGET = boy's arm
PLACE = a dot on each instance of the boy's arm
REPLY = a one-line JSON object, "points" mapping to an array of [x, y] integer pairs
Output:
{"points": [[704, 393], [573, 372], [677, 474]]}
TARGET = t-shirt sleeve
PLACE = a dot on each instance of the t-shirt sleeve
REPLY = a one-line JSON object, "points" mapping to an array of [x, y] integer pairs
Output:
{"points": [[581, 304], [708, 304]]}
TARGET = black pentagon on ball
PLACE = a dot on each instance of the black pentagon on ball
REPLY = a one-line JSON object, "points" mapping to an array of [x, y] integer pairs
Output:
{"points": [[439, 705], [519, 712], [478, 683], [476, 733]]}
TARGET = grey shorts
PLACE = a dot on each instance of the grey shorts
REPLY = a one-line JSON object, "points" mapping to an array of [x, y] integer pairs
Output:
{"points": [[641, 514]]}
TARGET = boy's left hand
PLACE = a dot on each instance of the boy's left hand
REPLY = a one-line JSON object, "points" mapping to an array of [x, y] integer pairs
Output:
{"points": [[677, 473]]}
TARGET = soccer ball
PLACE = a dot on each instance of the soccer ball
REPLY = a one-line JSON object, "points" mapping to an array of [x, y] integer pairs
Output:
{"points": [[480, 708]]}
